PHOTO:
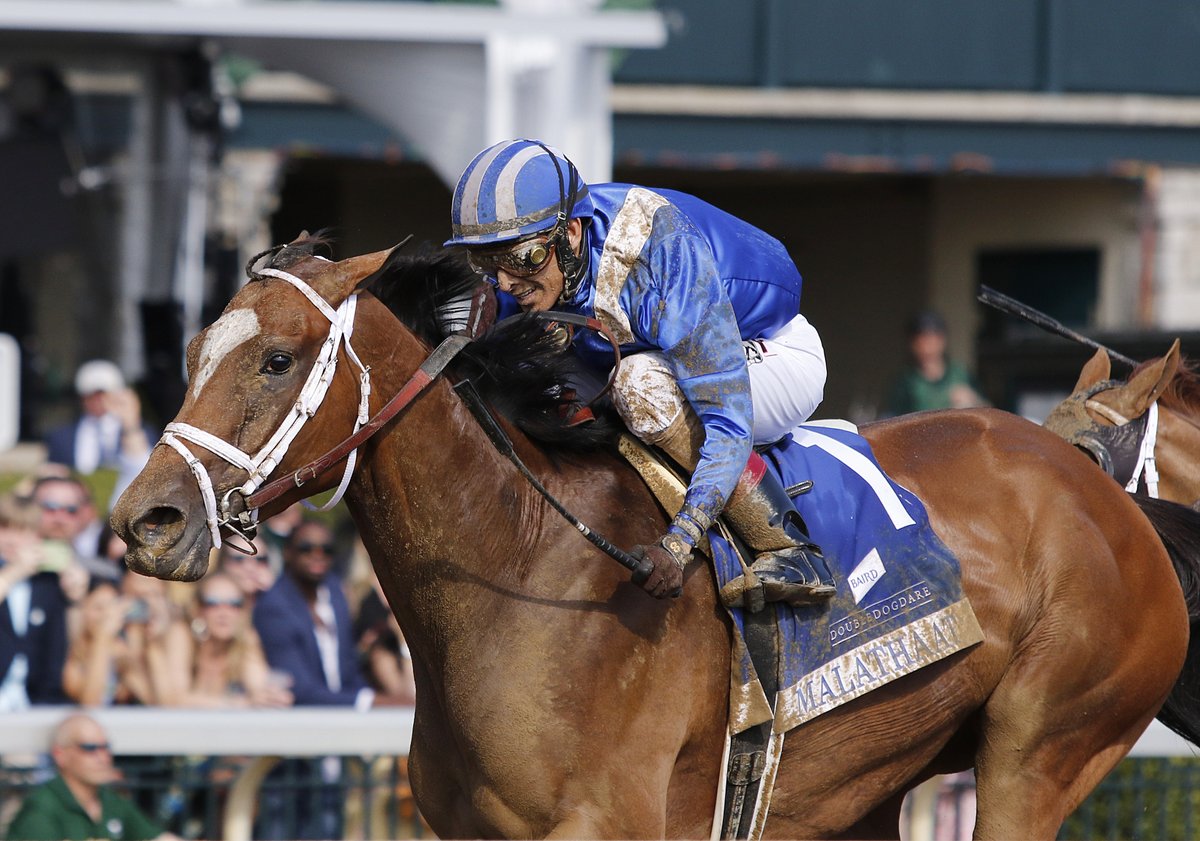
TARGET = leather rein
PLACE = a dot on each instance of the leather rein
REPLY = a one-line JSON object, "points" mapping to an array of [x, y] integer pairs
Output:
{"points": [[254, 494]]}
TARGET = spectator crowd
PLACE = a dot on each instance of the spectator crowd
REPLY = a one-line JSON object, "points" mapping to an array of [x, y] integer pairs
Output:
{"points": [[270, 627], [296, 619]]}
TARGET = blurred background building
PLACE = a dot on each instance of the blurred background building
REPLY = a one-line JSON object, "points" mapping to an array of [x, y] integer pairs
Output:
{"points": [[904, 152]]}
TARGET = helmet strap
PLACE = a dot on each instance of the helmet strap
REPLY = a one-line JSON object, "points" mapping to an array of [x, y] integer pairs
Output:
{"points": [[568, 261]]}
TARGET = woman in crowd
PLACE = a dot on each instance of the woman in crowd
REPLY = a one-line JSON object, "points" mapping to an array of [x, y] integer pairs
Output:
{"points": [[253, 574], [104, 666], [218, 660], [118, 654]]}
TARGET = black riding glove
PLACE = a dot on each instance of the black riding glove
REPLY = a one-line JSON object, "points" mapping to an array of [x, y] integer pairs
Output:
{"points": [[669, 557]]}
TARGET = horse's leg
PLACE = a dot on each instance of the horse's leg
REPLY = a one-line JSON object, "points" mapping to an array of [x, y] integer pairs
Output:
{"points": [[1027, 787], [1081, 687]]}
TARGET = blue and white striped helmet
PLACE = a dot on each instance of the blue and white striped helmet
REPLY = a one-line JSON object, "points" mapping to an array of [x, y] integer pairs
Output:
{"points": [[513, 189]]}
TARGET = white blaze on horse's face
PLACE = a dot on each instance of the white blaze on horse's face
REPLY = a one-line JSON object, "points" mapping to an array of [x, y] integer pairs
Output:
{"points": [[229, 331]]}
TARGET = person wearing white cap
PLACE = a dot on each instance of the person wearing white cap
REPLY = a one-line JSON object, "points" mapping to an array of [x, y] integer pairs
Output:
{"points": [[109, 432]]}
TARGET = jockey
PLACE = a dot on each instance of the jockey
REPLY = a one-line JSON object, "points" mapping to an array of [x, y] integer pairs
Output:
{"points": [[706, 309]]}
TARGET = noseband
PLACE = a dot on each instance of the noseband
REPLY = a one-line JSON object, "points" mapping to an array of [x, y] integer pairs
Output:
{"points": [[1125, 449], [261, 465]]}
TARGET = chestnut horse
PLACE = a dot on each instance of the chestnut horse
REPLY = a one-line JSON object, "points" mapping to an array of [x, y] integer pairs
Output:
{"points": [[557, 699], [1154, 416]]}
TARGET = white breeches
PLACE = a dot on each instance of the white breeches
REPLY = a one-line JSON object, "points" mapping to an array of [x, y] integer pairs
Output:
{"points": [[787, 383]]}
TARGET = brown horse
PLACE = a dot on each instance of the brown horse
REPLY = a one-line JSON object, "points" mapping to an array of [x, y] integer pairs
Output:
{"points": [[555, 698], [1154, 416]]}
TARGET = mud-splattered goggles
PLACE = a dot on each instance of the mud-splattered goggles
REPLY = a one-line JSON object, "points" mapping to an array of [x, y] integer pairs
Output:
{"points": [[521, 260]]}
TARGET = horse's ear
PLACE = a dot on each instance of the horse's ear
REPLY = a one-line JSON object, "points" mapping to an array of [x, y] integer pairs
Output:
{"points": [[303, 235], [1148, 384], [341, 282], [1174, 357], [1098, 369]]}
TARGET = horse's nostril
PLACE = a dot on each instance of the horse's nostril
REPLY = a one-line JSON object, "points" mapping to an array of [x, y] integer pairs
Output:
{"points": [[159, 525]]}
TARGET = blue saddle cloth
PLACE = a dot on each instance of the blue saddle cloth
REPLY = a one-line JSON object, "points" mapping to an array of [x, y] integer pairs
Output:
{"points": [[899, 603]]}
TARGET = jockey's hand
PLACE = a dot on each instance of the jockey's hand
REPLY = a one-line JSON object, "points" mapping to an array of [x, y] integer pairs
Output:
{"points": [[667, 577]]}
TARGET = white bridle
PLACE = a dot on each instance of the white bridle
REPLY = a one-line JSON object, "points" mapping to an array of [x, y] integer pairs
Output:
{"points": [[1146, 463], [261, 465]]}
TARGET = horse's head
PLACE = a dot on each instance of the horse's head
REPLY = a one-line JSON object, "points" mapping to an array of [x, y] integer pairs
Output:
{"points": [[1106, 418], [248, 398]]}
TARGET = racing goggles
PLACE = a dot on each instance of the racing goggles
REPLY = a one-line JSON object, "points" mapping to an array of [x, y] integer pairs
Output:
{"points": [[521, 260]]}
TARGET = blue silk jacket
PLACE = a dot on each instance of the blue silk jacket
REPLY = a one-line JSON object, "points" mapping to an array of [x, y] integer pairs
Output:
{"points": [[669, 272]]}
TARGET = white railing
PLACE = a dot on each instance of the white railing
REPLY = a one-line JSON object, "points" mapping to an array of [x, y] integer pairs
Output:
{"points": [[1159, 741], [266, 735], [157, 731]]}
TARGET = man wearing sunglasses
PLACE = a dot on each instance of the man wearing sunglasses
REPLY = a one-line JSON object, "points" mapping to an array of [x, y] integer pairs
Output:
{"points": [[706, 307], [307, 633], [78, 803]]}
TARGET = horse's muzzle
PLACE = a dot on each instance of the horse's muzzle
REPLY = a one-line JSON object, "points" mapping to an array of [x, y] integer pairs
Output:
{"points": [[160, 542]]}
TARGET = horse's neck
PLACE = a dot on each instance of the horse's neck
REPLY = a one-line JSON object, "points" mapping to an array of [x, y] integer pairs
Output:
{"points": [[445, 516], [1176, 452], [439, 475]]}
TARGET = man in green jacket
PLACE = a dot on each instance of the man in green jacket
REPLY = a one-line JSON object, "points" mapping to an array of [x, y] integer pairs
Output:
{"points": [[77, 804], [932, 380]]}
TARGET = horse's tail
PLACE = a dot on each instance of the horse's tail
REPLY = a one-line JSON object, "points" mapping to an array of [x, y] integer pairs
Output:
{"points": [[1179, 529]]}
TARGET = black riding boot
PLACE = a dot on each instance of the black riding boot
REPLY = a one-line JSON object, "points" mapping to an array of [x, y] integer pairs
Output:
{"points": [[787, 567]]}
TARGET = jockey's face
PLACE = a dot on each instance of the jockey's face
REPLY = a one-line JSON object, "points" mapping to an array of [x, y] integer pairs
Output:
{"points": [[535, 293], [540, 290]]}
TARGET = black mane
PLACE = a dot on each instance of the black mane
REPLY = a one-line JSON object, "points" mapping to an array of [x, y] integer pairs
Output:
{"points": [[518, 367]]}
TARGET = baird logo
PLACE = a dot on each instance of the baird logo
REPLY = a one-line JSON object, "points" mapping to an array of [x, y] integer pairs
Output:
{"points": [[863, 577], [866, 578]]}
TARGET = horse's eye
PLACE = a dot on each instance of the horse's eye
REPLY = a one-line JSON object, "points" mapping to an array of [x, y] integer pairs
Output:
{"points": [[277, 363]]}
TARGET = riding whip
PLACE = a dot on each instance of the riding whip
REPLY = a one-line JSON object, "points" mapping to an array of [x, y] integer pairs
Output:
{"points": [[640, 567], [1014, 307]]}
